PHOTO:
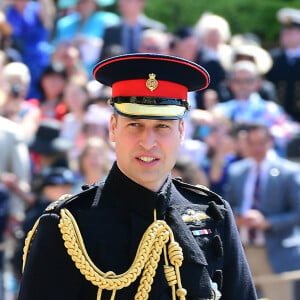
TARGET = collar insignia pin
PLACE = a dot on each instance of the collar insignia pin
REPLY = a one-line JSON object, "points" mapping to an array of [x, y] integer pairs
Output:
{"points": [[151, 82], [192, 216]]}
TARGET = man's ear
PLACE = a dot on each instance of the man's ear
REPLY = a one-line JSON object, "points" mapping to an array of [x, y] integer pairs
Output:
{"points": [[181, 130], [112, 128]]}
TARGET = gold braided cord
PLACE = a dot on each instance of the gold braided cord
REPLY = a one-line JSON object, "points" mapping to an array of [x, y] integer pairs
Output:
{"points": [[157, 235], [150, 268], [28, 240]]}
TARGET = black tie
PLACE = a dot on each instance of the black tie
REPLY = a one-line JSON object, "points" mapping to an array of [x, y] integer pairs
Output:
{"points": [[257, 187], [131, 40], [256, 202]]}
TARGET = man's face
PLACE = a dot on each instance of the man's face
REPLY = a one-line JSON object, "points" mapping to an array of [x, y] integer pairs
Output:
{"points": [[146, 150], [258, 144], [243, 84], [290, 38], [129, 8]]}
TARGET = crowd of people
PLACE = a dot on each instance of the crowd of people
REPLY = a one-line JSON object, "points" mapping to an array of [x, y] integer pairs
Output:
{"points": [[54, 117]]}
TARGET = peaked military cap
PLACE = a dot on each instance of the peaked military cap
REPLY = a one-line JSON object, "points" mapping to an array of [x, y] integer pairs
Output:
{"points": [[152, 86], [289, 17]]}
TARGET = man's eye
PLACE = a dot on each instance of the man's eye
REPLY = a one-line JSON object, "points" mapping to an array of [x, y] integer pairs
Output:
{"points": [[133, 124], [163, 126]]}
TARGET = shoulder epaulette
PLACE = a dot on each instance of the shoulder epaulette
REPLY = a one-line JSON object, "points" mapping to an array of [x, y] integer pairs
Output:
{"points": [[65, 199], [59, 202], [199, 189]]}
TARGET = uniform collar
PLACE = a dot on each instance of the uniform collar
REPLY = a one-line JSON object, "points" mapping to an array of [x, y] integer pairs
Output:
{"points": [[122, 193]]}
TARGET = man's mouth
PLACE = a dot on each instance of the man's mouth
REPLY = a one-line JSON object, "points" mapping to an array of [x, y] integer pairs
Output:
{"points": [[147, 158]]}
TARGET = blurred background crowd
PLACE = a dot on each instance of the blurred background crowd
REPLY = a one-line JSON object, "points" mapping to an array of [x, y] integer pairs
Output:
{"points": [[54, 117]]}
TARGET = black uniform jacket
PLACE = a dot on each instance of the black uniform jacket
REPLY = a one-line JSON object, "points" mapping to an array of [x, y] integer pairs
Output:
{"points": [[112, 219], [286, 77]]}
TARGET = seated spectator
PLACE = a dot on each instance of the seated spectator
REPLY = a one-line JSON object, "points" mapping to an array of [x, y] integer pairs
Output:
{"points": [[193, 145], [247, 106], [66, 55], [127, 33], [15, 196], [220, 152], [15, 83], [264, 192], [238, 133], [154, 41], [48, 148], [213, 32], [286, 61], [31, 23], [247, 47], [210, 99], [52, 84], [213, 130], [76, 99], [85, 27], [185, 43], [94, 161], [96, 122]]}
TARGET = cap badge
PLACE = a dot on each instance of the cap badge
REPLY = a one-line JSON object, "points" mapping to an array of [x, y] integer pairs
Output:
{"points": [[151, 82]]}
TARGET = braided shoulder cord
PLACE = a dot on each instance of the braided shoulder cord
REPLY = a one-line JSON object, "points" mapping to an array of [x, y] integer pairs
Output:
{"points": [[28, 241], [147, 257]]}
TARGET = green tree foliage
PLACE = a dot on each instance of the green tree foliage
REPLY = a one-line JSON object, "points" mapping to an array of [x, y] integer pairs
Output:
{"points": [[256, 16]]}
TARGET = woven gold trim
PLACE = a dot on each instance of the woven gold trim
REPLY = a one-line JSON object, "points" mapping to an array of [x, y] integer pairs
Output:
{"points": [[157, 235], [28, 241]]}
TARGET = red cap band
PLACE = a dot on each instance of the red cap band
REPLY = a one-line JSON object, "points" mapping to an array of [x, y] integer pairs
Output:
{"points": [[138, 88]]}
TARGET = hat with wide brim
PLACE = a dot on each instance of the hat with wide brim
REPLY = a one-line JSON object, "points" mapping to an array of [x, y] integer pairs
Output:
{"points": [[289, 17], [260, 57], [47, 139], [147, 85]]}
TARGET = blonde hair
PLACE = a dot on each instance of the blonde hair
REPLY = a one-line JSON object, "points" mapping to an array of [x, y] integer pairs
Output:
{"points": [[160, 38], [209, 21], [16, 71]]}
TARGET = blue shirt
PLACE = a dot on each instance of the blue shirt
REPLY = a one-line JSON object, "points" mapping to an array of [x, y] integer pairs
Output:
{"points": [[70, 26], [255, 109]]}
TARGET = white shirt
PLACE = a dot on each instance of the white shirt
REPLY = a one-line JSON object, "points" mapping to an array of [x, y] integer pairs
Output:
{"points": [[248, 195]]}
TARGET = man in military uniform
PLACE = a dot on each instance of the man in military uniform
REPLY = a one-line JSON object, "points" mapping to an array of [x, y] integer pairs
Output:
{"points": [[285, 72], [140, 234]]}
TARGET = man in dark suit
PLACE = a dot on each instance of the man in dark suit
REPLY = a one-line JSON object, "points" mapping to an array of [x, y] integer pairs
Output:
{"points": [[285, 73], [264, 192], [127, 33], [140, 234]]}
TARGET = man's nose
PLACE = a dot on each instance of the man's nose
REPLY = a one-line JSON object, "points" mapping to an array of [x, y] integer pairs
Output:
{"points": [[148, 139]]}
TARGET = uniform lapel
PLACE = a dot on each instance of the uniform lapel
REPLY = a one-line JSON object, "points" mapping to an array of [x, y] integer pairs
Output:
{"points": [[184, 237]]}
